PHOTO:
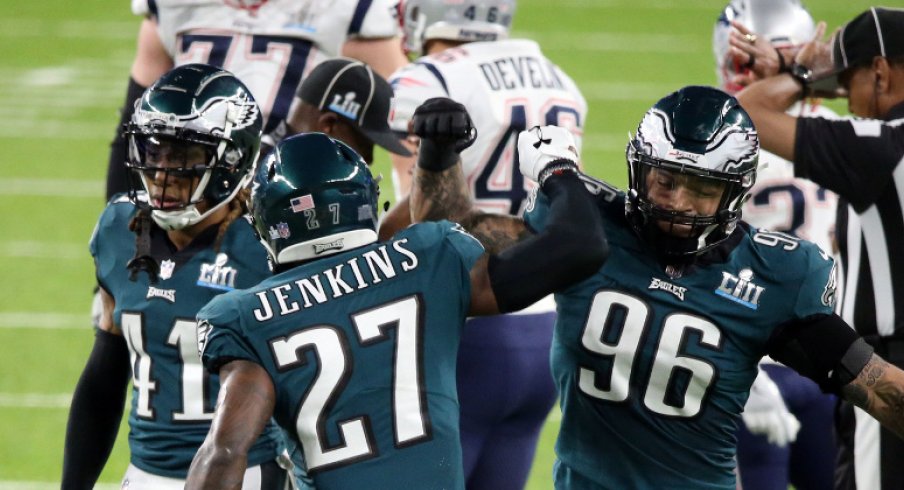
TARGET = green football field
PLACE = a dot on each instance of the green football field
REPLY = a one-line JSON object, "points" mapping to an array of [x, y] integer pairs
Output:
{"points": [[63, 71]]}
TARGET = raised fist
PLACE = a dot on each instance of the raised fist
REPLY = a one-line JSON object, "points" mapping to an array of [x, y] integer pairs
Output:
{"points": [[541, 147], [444, 121], [445, 129]]}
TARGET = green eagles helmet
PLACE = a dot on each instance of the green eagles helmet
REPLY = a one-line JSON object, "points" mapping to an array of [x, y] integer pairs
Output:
{"points": [[702, 135], [196, 122], [313, 196]]}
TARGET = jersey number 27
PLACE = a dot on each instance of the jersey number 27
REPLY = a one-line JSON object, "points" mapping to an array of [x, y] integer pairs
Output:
{"points": [[331, 351]]}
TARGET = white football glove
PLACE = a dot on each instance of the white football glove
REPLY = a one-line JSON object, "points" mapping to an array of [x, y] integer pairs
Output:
{"points": [[766, 413], [540, 146]]}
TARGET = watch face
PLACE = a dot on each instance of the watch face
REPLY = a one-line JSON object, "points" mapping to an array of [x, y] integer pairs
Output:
{"points": [[801, 72]]}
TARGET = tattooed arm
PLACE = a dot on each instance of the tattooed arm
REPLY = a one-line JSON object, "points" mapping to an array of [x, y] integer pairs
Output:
{"points": [[826, 349], [444, 195], [520, 267], [440, 190], [879, 390]]}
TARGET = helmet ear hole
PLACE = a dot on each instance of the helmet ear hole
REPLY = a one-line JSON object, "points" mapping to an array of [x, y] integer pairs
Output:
{"points": [[271, 172]]}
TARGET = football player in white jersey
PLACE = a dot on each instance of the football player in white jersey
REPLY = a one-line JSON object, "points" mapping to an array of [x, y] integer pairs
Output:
{"points": [[271, 45], [772, 452], [504, 382]]}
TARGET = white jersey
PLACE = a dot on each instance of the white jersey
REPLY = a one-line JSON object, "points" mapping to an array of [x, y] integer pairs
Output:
{"points": [[781, 202], [270, 45], [507, 86]]}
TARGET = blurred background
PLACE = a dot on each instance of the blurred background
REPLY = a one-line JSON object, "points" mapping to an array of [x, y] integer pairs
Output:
{"points": [[63, 72]]}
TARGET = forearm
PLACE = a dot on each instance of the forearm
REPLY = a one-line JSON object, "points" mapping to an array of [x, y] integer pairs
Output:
{"points": [[440, 195], [216, 467], [879, 390], [384, 55], [766, 102], [445, 195], [97, 407], [244, 406], [571, 248]]}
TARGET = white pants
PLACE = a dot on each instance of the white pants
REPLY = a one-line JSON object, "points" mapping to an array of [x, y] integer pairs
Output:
{"points": [[138, 479]]}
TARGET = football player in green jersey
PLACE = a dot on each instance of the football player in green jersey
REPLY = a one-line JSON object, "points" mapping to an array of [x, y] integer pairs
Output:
{"points": [[193, 140], [352, 346], [655, 353]]}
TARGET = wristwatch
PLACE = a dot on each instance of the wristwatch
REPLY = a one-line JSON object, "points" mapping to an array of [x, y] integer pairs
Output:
{"points": [[804, 75]]}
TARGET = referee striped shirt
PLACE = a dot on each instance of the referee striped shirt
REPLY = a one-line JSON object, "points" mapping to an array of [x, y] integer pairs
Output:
{"points": [[862, 160]]}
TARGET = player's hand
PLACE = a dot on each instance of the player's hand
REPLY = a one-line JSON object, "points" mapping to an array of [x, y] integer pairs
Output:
{"points": [[445, 122], [445, 129], [543, 146], [766, 413], [755, 54]]}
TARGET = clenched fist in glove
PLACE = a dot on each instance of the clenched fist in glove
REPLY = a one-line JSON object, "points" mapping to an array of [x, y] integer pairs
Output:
{"points": [[766, 413], [545, 150], [445, 129]]}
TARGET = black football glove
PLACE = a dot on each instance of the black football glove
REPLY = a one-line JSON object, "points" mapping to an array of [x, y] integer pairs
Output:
{"points": [[445, 129]]}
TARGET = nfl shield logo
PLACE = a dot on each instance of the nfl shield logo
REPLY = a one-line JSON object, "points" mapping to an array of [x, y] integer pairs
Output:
{"points": [[283, 230], [166, 269]]}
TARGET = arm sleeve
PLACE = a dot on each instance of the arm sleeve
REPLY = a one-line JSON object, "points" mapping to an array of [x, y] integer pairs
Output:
{"points": [[117, 173], [97, 407], [823, 348], [852, 157], [571, 247]]}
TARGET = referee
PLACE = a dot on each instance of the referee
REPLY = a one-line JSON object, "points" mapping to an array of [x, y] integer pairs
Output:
{"points": [[862, 160]]}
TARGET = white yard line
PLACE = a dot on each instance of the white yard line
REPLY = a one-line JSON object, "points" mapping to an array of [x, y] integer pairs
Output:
{"points": [[43, 250], [35, 400], [60, 130], [93, 189], [70, 29], [47, 320], [619, 42]]}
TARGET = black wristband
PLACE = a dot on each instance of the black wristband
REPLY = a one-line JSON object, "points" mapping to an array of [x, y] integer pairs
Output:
{"points": [[436, 157], [782, 66]]}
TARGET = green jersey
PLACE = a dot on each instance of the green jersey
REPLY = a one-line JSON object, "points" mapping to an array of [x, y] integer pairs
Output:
{"points": [[361, 347], [654, 363], [173, 398]]}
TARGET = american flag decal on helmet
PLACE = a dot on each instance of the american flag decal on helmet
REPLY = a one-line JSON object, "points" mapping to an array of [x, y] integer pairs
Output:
{"points": [[303, 203]]}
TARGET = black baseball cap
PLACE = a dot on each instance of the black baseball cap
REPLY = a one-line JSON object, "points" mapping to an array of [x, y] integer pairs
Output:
{"points": [[879, 31], [352, 90]]}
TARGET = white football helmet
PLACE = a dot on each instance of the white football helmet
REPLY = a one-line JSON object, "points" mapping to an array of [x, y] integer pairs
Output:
{"points": [[477, 20], [783, 22]]}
